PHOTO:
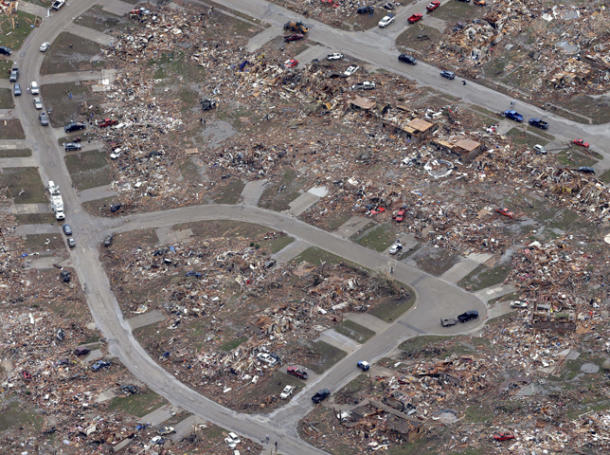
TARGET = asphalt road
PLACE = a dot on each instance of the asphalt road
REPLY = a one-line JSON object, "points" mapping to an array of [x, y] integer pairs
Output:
{"points": [[378, 48]]}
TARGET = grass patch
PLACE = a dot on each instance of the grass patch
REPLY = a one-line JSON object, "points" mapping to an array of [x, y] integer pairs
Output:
{"points": [[100, 20], [71, 53], [483, 277], [354, 331], [176, 64], [11, 129], [317, 256], [100, 207], [605, 177], [232, 344], [14, 37], [280, 243], [575, 158], [88, 169], [138, 404], [520, 137], [415, 345], [278, 196], [64, 108], [478, 414], [43, 242], [15, 153], [6, 98], [453, 10], [35, 218], [378, 238], [230, 193], [392, 308], [321, 356], [16, 414], [23, 184], [598, 109], [5, 68], [435, 261]]}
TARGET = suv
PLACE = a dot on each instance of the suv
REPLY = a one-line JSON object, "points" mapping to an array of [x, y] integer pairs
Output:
{"points": [[5, 50], [34, 88], [407, 59], [320, 396], [468, 315], [14, 75], [74, 126], [448, 74]]}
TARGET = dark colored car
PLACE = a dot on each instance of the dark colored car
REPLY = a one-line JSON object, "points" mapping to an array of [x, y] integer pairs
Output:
{"points": [[513, 115], [366, 10], [74, 126], [71, 146], [294, 37], [65, 276], [586, 170], [539, 123], [17, 89], [67, 229], [99, 365], [115, 208], [468, 315], [5, 50], [320, 396], [448, 74], [81, 351], [405, 58], [294, 371], [108, 240]]}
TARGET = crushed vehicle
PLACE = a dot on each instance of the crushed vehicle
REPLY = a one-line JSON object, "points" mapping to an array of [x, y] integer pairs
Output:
{"points": [[297, 27], [107, 122], [295, 371], [334, 56], [399, 216], [350, 70], [365, 85], [293, 37], [291, 63], [98, 365]]}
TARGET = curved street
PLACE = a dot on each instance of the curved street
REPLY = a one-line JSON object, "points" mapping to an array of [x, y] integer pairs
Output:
{"points": [[434, 296]]}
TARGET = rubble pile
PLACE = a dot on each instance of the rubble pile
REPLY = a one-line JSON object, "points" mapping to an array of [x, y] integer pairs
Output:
{"points": [[565, 52], [255, 315]]}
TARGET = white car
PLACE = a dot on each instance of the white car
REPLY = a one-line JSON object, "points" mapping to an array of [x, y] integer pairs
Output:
{"points": [[287, 392], [334, 56], [386, 20], [57, 4], [396, 247], [351, 70], [518, 304], [539, 149], [232, 440], [44, 46], [266, 358], [37, 102], [34, 88]]}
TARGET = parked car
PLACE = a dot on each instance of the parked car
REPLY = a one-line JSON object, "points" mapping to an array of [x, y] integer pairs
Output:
{"points": [[513, 115], [468, 315], [108, 240], [44, 118], [366, 85], [71, 242], [37, 102], [539, 149], [351, 70], [464, 1], [294, 371], [267, 358], [17, 89], [320, 396], [99, 365], [386, 20], [415, 18], [287, 392], [399, 217], [581, 143], [291, 63], [405, 58], [586, 170], [5, 50], [432, 6], [395, 248], [34, 88], [57, 4], [44, 46], [334, 56], [364, 365], [14, 74], [293, 37], [448, 322], [538, 123], [71, 146], [366, 10], [65, 276], [74, 126], [448, 74], [67, 229]]}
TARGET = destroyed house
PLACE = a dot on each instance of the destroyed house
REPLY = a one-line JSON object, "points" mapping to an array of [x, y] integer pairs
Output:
{"points": [[414, 130], [467, 147], [359, 102]]}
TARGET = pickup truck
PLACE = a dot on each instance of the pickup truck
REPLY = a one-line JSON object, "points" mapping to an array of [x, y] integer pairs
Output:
{"points": [[539, 123], [513, 115]]}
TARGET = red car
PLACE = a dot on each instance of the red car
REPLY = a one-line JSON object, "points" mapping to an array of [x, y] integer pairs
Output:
{"points": [[294, 37], [415, 18], [503, 436], [581, 142], [106, 122], [504, 211], [432, 6], [301, 374], [400, 215], [291, 63]]}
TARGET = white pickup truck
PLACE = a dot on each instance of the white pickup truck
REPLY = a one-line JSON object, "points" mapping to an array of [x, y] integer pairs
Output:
{"points": [[57, 202]]}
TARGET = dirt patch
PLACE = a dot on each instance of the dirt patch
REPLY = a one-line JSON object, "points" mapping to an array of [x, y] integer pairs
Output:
{"points": [[11, 129], [70, 53], [88, 169], [419, 37], [23, 184], [100, 20], [277, 196], [6, 98], [15, 153], [434, 260]]}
